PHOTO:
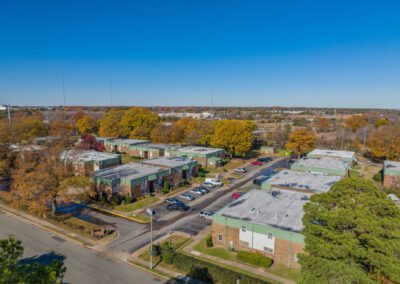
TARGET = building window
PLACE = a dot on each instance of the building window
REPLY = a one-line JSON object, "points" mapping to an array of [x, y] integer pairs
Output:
{"points": [[270, 236], [243, 243], [270, 250], [244, 229], [220, 237]]}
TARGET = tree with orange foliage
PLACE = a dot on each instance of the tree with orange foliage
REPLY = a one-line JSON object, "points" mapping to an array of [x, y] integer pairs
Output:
{"points": [[38, 180], [109, 123], [384, 143], [355, 122], [86, 125], [322, 124], [301, 141]]}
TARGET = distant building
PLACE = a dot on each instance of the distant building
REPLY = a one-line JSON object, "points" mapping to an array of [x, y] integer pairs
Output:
{"points": [[150, 150], [207, 157], [347, 156], [122, 145], [301, 181], [391, 174], [180, 168], [322, 165], [195, 115], [266, 222], [3, 107], [266, 150], [45, 140], [133, 179], [86, 162]]}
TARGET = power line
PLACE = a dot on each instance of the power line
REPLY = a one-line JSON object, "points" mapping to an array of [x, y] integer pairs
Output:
{"points": [[111, 94], [63, 89]]}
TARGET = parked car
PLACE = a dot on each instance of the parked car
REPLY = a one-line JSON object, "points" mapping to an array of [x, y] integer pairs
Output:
{"points": [[236, 195], [172, 201], [206, 215], [207, 185], [204, 189], [177, 207], [264, 160], [197, 191], [186, 196], [260, 179], [240, 170], [256, 163], [214, 181]]}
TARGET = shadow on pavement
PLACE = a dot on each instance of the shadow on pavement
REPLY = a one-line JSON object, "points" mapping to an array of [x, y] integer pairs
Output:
{"points": [[43, 259]]}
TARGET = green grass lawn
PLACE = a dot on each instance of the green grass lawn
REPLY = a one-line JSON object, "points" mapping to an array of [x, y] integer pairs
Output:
{"points": [[277, 269], [214, 251], [74, 225], [141, 217], [125, 159], [136, 205]]}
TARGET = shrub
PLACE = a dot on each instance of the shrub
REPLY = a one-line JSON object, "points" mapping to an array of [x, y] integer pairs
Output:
{"points": [[209, 242], [166, 187], [378, 176], [255, 259], [155, 250], [128, 199], [202, 174]]}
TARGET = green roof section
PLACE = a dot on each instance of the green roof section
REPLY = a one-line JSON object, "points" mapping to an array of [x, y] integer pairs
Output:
{"points": [[322, 165]]}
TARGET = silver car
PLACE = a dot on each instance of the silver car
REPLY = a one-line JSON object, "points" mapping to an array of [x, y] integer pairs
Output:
{"points": [[206, 215], [186, 196]]}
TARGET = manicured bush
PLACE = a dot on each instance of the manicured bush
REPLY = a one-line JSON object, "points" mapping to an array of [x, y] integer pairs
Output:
{"points": [[209, 242], [254, 258], [201, 174], [166, 187], [155, 250]]}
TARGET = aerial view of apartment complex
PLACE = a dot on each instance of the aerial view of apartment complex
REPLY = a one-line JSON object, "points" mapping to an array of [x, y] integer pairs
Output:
{"points": [[226, 142]]}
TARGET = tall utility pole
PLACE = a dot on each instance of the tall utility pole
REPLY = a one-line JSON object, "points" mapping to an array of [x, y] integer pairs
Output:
{"points": [[111, 98], [151, 213], [9, 115], [212, 102], [63, 89]]}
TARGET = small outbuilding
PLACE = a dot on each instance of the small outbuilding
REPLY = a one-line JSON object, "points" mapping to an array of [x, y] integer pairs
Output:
{"points": [[391, 174], [322, 165]]}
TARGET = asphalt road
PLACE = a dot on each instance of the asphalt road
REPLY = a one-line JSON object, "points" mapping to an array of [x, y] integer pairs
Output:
{"points": [[83, 265]]}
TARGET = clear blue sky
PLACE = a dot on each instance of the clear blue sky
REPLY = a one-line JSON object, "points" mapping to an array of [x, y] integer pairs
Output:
{"points": [[166, 52]]}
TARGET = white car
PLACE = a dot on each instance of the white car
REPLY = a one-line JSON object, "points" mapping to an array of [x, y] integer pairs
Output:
{"points": [[214, 181], [206, 215], [240, 170], [197, 191], [186, 196]]}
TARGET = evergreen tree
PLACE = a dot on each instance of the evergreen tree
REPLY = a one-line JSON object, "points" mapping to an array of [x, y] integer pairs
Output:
{"points": [[352, 235]]}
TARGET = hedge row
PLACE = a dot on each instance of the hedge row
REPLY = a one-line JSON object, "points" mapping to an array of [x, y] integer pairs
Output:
{"points": [[209, 272], [255, 259]]}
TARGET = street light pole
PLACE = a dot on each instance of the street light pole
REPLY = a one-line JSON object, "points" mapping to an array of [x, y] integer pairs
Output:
{"points": [[151, 213]]}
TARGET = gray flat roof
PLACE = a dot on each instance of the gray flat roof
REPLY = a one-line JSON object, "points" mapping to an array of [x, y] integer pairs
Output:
{"points": [[169, 161], [130, 171], [199, 150], [323, 163], [278, 208], [157, 145], [128, 141], [87, 155], [303, 181], [392, 165], [333, 153]]}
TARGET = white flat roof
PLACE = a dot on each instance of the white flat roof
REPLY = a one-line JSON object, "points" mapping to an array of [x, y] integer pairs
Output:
{"points": [[277, 208], [303, 181], [392, 165], [323, 163], [199, 150], [333, 153], [87, 155], [129, 171], [169, 161]]}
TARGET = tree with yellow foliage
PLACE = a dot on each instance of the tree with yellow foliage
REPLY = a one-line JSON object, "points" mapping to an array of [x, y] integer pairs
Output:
{"points": [[138, 123], [109, 123], [301, 141], [384, 143], [355, 122], [86, 125], [235, 136]]}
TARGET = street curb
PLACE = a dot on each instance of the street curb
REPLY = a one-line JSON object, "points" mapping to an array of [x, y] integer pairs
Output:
{"points": [[132, 219]]}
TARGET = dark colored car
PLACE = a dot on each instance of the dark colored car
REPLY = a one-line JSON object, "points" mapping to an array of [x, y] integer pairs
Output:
{"points": [[177, 207], [172, 201], [259, 180], [264, 160]]}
